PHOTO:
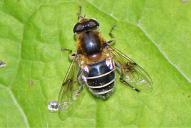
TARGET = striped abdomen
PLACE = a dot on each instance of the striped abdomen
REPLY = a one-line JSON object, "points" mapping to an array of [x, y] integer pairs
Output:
{"points": [[100, 78]]}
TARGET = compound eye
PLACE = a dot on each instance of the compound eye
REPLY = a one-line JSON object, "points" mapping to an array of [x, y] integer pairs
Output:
{"points": [[93, 23], [78, 27]]}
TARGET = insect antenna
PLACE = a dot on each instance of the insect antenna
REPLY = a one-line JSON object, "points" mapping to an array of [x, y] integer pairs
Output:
{"points": [[79, 14]]}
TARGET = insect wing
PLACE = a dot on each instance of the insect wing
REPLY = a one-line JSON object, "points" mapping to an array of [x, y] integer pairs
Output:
{"points": [[69, 92], [131, 73]]}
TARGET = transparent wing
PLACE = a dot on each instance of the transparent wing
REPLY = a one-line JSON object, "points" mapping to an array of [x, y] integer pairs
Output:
{"points": [[70, 91], [131, 73]]}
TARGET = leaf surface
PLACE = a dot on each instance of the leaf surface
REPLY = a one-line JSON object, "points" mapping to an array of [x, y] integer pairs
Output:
{"points": [[156, 34]]}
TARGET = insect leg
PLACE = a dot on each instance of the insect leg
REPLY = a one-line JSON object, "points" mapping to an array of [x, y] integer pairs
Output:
{"points": [[110, 42], [111, 31], [123, 81], [122, 78], [66, 49], [71, 55]]}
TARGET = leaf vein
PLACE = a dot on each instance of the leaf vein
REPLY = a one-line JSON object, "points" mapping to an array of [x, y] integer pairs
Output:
{"points": [[149, 38], [163, 53], [25, 119]]}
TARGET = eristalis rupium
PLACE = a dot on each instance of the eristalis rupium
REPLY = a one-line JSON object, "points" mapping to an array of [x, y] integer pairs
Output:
{"points": [[94, 65]]}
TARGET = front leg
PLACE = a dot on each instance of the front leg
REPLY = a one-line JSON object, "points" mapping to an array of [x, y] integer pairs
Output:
{"points": [[111, 31], [112, 41]]}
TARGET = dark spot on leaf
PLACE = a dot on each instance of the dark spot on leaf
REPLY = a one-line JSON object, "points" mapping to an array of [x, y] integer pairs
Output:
{"points": [[31, 83], [2, 64]]}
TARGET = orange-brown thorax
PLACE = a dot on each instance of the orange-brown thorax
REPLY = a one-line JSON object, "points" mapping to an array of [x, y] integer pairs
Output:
{"points": [[89, 41], [90, 45]]}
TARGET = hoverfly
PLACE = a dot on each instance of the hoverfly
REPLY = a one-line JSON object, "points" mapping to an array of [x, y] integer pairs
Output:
{"points": [[94, 65]]}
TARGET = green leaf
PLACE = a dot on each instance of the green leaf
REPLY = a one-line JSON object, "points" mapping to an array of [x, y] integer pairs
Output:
{"points": [[156, 34]]}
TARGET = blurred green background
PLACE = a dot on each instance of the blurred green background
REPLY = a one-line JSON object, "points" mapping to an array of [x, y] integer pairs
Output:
{"points": [[154, 33]]}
